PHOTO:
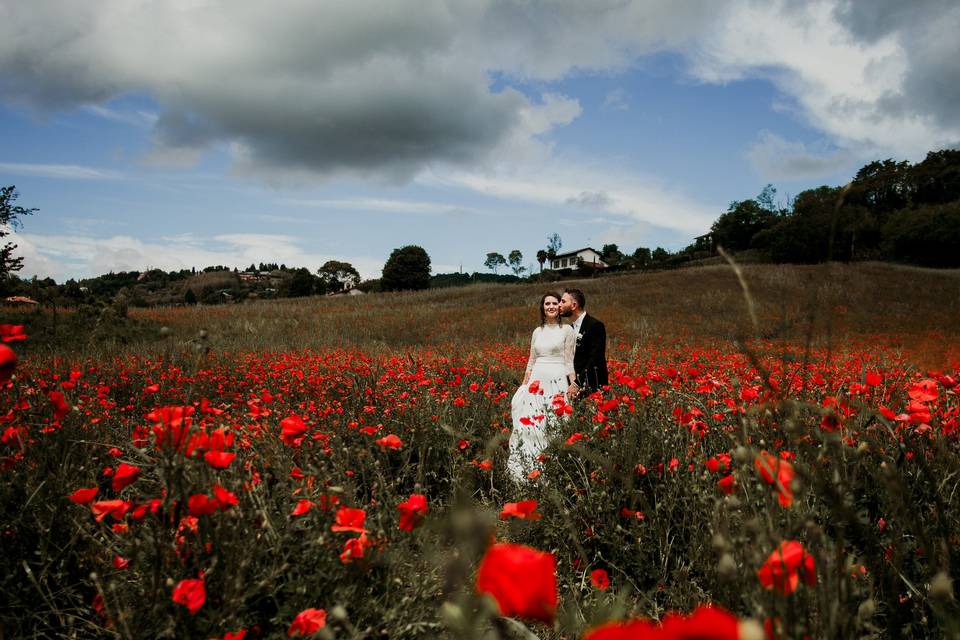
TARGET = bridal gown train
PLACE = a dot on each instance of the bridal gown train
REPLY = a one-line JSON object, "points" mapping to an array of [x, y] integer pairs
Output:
{"points": [[550, 363]]}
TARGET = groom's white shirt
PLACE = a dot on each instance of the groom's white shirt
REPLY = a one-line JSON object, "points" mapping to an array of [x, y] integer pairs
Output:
{"points": [[579, 321]]}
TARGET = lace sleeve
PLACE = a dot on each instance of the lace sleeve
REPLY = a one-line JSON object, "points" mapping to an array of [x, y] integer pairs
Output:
{"points": [[532, 358], [569, 348]]}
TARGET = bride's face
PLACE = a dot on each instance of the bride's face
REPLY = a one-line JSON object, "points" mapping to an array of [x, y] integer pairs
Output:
{"points": [[551, 307]]}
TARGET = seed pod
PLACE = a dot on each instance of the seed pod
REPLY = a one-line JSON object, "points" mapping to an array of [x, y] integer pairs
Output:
{"points": [[941, 588], [727, 568]]}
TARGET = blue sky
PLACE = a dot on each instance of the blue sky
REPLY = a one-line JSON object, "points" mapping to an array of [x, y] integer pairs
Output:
{"points": [[184, 134]]}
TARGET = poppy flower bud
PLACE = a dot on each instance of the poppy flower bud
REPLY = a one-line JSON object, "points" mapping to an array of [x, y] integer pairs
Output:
{"points": [[727, 568], [866, 610], [719, 543], [941, 588], [742, 455]]}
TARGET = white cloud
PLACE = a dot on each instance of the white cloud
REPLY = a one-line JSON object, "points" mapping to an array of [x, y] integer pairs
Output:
{"points": [[842, 83], [59, 171], [77, 256], [616, 100]]}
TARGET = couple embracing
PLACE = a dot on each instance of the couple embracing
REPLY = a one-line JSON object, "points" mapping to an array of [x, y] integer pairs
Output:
{"points": [[567, 361]]}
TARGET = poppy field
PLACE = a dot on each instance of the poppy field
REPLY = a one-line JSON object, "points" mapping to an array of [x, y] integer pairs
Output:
{"points": [[749, 484]]}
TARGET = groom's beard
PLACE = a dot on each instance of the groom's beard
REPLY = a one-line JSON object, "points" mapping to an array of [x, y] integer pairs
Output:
{"points": [[566, 314]]}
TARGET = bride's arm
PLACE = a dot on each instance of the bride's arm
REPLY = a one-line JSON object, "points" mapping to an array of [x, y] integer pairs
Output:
{"points": [[569, 348], [531, 359]]}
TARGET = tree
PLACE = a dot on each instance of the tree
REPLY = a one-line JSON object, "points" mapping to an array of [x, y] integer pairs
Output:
{"points": [[554, 243], [515, 258], [735, 229], [301, 284], [407, 268], [494, 261], [189, 297], [641, 257], [611, 254], [337, 276], [541, 258], [10, 217]]}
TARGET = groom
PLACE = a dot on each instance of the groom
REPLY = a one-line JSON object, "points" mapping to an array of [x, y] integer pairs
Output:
{"points": [[590, 358]]}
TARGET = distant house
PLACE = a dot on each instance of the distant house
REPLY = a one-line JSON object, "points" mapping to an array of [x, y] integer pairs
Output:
{"points": [[587, 257], [351, 291]]}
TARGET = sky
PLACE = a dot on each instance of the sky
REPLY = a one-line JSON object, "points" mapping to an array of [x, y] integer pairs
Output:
{"points": [[188, 133]]}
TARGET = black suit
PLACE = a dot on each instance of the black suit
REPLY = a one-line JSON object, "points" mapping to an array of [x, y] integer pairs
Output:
{"points": [[590, 358]]}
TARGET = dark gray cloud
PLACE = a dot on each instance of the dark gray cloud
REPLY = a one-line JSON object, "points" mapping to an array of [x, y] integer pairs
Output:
{"points": [[591, 200], [313, 88], [927, 31]]}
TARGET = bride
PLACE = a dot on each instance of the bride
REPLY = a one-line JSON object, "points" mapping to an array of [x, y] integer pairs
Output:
{"points": [[549, 374]]}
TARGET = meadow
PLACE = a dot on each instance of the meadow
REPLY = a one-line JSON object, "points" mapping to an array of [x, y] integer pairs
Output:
{"points": [[776, 455]]}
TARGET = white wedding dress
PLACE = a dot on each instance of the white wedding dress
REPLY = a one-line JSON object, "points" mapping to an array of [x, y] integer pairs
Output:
{"points": [[550, 364]]}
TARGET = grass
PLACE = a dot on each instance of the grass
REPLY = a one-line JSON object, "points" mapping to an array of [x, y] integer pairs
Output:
{"points": [[626, 486]]}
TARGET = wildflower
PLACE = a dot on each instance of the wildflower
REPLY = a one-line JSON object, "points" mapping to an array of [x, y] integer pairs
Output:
{"points": [[727, 484], [412, 511], [533, 597], [125, 475], [225, 496], [523, 510], [308, 622], [11, 332], [191, 593], [355, 548], [923, 391], [785, 566], [292, 430], [8, 362], [219, 459], [391, 441], [116, 508], [303, 507], [60, 405], [348, 519], [202, 505], [83, 496], [706, 621], [600, 579], [779, 473]]}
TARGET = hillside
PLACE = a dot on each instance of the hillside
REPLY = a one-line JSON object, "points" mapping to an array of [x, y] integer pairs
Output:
{"points": [[858, 300]]}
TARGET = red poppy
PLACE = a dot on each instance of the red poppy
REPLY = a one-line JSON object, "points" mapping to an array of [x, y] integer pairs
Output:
{"points": [[534, 387], [778, 472], [125, 475], [524, 510], [923, 391], [235, 635], [201, 505], [785, 566], [11, 332], [60, 405], [600, 579], [292, 430], [522, 580], [727, 484], [225, 496], [707, 622], [308, 622], [8, 362], [83, 496], [191, 593], [303, 506], [120, 563], [412, 511], [171, 425], [219, 459], [484, 465], [391, 441], [355, 548], [348, 519]]}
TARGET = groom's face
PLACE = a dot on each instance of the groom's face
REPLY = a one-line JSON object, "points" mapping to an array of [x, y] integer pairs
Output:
{"points": [[566, 305]]}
